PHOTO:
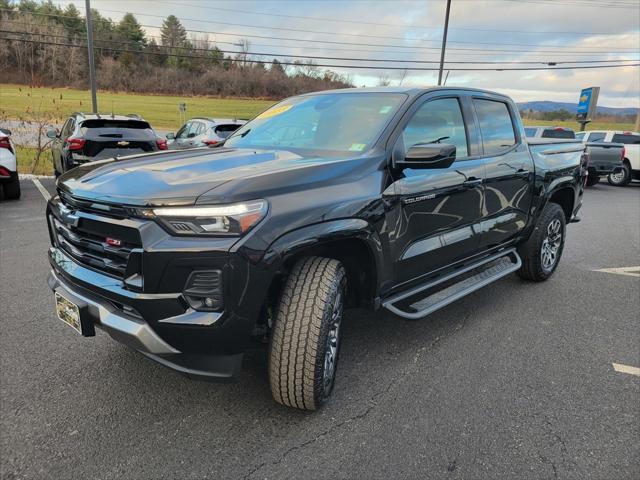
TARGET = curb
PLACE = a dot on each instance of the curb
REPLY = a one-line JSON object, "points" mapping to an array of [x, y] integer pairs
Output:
{"points": [[31, 176]]}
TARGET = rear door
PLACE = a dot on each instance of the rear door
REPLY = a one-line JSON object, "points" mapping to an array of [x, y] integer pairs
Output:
{"points": [[196, 135], [509, 170], [438, 209]]}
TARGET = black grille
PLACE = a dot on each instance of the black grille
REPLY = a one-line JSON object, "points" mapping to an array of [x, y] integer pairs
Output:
{"points": [[98, 243]]}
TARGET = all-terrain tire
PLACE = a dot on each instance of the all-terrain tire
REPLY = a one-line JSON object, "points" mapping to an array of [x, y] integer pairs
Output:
{"points": [[305, 340], [541, 253], [622, 179], [12, 188]]}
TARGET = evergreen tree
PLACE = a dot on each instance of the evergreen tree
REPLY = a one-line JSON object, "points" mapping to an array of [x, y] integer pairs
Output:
{"points": [[131, 31], [173, 33]]}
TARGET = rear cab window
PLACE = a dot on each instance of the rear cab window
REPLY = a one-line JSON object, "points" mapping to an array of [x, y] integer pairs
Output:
{"points": [[558, 133], [496, 125], [597, 137], [530, 132], [626, 138]]}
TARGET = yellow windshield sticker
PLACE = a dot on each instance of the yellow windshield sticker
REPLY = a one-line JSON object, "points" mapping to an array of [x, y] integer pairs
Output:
{"points": [[272, 112], [357, 147]]}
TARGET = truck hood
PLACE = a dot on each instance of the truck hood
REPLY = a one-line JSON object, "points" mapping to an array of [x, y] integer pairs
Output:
{"points": [[201, 176]]}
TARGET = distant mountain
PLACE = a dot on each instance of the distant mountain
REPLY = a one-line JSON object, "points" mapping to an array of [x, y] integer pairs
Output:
{"points": [[548, 106]]}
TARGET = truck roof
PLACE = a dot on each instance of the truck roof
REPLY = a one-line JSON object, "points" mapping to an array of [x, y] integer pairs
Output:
{"points": [[411, 91]]}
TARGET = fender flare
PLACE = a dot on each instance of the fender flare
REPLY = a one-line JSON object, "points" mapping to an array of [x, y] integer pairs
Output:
{"points": [[296, 241]]}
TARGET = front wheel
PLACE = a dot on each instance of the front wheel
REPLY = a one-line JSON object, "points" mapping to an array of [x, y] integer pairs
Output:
{"points": [[542, 251], [621, 178], [305, 342]]}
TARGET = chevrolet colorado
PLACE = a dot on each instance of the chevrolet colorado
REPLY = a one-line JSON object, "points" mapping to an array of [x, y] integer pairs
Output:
{"points": [[403, 199]]}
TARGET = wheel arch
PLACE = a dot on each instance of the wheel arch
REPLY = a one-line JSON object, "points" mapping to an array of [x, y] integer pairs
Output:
{"points": [[565, 197], [353, 242]]}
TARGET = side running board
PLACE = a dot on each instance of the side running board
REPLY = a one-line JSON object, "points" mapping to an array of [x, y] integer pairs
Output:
{"points": [[425, 299]]}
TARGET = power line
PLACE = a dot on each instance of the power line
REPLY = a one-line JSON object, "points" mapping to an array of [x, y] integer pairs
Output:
{"points": [[299, 30], [481, 53], [343, 43], [362, 22], [351, 59], [358, 67]]}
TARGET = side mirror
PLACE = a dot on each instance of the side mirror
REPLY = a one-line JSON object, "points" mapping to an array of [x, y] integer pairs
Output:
{"points": [[191, 135], [170, 136], [52, 133], [429, 155]]}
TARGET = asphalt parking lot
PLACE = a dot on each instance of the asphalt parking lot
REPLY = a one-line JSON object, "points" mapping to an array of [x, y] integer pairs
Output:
{"points": [[514, 381]]}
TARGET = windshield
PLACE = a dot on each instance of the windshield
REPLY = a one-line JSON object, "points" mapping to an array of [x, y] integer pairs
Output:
{"points": [[339, 122]]}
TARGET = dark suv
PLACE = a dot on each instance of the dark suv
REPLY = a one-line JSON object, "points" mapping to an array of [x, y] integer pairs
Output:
{"points": [[89, 136]]}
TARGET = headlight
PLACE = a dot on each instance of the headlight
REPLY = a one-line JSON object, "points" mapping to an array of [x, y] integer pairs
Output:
{"points": [[234, 219]]}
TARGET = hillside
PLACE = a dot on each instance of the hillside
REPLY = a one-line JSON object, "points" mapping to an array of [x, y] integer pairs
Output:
{"points": [[549, 106]]}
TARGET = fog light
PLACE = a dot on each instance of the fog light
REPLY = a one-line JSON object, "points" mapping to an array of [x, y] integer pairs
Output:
{"points": [[203, 290]]}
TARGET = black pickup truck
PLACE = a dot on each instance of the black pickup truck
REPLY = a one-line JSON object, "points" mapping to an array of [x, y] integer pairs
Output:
{"points": [[403, 199]]}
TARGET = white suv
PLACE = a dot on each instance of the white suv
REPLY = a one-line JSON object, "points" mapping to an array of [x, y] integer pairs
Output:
{"points": [[631, 163], [8, 166]]}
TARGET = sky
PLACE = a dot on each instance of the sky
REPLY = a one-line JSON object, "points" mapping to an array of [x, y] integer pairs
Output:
{"points": [[479, 30]]}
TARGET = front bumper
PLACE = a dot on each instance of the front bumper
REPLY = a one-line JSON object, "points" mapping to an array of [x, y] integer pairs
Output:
{"points": [[108, 307]]}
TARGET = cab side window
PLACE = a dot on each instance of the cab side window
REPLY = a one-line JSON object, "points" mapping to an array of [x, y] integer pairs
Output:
{"points": [[182, 133], [597, 137], [67, 128], [438, 121], [496, 126]]}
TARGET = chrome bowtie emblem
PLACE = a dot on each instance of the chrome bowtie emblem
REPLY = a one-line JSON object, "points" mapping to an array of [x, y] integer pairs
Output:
{"points": [[68, 216], [123, 143]]}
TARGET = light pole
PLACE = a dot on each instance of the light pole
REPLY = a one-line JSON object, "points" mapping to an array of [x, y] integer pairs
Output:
{"points": [[92, 65], [444, 41]]}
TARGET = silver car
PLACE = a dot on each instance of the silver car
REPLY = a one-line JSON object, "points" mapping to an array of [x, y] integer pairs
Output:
{"points": [[199, 132]]}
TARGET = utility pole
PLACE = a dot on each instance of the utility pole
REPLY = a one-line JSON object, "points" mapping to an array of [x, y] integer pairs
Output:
{"points": [[444, 41], [92, 64]]}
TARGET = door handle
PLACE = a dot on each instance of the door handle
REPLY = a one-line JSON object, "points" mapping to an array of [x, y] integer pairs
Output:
{"points": [[472, 182], [522, 172]]}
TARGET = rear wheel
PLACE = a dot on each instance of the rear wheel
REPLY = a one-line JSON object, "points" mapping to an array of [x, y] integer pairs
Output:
{"points": [[305, 342], [542, 251], [621, 178], [12, 188], [592, 179]]}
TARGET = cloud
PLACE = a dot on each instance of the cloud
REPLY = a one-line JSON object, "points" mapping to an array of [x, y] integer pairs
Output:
{"points": [[531, 31]]}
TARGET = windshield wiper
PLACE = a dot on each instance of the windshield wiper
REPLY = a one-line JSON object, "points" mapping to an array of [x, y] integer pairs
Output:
{"points": [[245, 133]]}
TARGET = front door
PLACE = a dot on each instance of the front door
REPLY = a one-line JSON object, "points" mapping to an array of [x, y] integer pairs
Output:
{"points": [[181, 137], [438, 209]]}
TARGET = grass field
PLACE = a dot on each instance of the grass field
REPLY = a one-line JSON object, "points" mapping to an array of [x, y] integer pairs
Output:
{"points": [[162, 110], [159, 110], [26, 155]]}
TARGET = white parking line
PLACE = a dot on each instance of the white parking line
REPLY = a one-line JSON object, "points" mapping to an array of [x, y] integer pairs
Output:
{"points": [[43, 190], [626, 369], [631, 271]]}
